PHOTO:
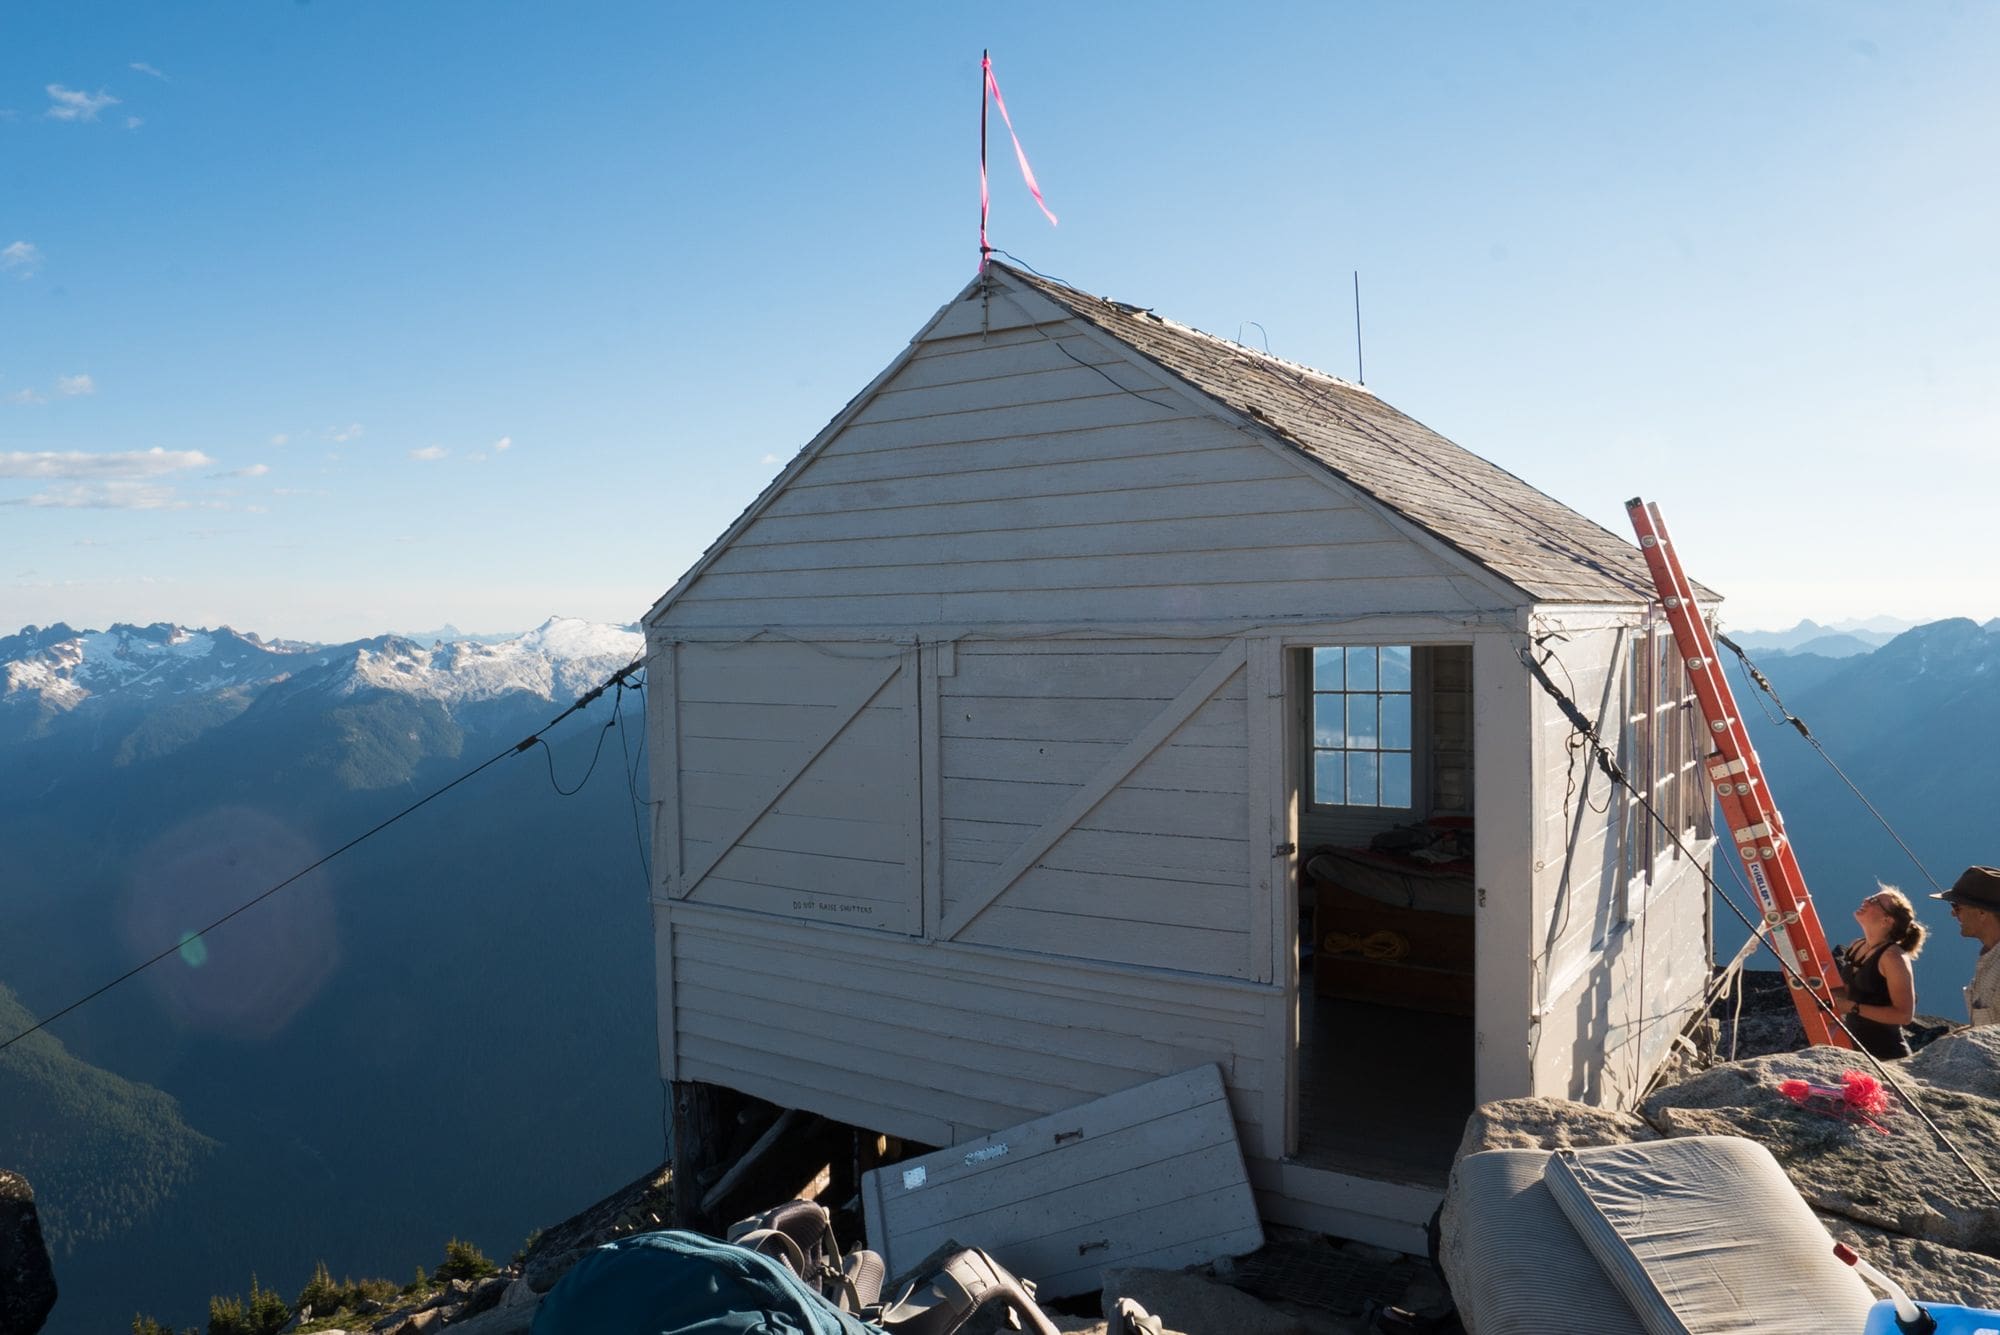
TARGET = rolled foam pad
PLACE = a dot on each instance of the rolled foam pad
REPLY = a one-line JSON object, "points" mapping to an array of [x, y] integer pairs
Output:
{"points": [[1705, 1235], [1514, 1264]]}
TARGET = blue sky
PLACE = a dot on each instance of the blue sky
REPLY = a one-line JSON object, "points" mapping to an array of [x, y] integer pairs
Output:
{"points": [[488, 312]]}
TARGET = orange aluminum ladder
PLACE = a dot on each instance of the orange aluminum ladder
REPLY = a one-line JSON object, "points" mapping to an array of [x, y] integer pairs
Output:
{"points": [[1740, 786]]}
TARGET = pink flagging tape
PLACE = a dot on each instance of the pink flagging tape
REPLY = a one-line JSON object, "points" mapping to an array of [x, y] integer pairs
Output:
{"points": [[1027, 172]]}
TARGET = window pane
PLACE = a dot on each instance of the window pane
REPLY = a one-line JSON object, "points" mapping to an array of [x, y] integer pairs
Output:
{"points": [[1396, 724], [1326, 670], [1361, 779], [1327, 724], [1395, 667], [1361, 669], [1395, 779], [1327, 788], [1361, 721]]}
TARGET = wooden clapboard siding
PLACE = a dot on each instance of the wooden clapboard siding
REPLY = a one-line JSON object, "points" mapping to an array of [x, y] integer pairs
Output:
{"points": [[1045, 476], [942, 1042], [1163, 602], [1138, 503], [1078, 878], [1612, 981], [1578, 835], [795, 789], [1063, 1197], [1152, 871]]}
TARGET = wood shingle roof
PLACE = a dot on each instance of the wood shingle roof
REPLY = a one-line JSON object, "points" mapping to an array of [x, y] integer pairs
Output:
{"points": [[1524, 536]]}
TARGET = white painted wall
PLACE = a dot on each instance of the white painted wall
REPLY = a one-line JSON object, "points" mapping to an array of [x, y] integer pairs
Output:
{"points": [[971, 786], [1617, 964], [1042, 474]]}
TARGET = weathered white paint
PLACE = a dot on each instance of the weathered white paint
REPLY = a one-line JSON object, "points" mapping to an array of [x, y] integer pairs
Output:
{"points": [[1613, 981], [1507, 792], [1066, 841], [941, 1043], [1158, 817], [1150, 1176], [794, 789], [1007, 483]]}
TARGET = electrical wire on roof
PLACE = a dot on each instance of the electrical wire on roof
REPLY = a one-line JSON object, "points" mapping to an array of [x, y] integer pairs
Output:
{"points": [[1020, 263], [1795, 980], [1320, 397], [617, 678], [1787, 716], [1088, 366]]}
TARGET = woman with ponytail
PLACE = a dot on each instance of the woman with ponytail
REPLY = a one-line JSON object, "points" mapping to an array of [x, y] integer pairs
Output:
{"points": [[1878, 995]]}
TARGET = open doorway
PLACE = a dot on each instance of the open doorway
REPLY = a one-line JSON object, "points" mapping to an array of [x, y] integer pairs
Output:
{"points": [[1381, 756]]}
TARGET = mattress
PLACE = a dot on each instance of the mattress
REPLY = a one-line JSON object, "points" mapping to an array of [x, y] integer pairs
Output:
{"points": [[1514, 1264], [1706, 1234]]}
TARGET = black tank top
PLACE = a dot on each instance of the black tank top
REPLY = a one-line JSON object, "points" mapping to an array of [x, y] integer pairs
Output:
{"points": [[1867, 987]]}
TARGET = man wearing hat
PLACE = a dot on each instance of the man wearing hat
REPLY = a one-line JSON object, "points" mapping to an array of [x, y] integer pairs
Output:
{"points": [[1975, 901]]}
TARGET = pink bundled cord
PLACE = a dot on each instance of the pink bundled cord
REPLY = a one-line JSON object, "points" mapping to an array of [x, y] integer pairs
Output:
{"points": [[1858, 1098]]}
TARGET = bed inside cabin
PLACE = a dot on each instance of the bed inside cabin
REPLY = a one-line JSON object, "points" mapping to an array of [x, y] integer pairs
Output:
{"points": [[1383, 1076]]}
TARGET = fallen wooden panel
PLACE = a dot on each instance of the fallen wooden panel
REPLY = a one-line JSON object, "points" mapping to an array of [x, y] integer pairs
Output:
{"points": [[1151, 1176]]}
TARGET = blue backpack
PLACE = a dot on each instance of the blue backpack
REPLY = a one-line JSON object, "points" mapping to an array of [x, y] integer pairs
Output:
{"points": [[678, 1283]]}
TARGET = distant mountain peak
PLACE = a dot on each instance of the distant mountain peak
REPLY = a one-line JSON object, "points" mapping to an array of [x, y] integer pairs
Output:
{"points": [[59, 670]]}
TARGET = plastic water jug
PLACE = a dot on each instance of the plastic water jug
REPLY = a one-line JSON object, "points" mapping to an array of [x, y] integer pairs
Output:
{"points": [[1951, 1320]]}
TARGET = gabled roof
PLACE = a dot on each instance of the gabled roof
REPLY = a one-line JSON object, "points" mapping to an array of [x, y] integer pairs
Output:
{"points": [[1529, 539]]}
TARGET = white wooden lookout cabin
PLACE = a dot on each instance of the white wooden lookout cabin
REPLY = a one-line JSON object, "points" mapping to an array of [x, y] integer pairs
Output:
{"points": [[1095, 698]]}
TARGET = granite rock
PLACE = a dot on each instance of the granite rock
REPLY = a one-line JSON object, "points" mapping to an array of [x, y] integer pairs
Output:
{"points": [[1548, 1124], [27, 1278], [1893, 1173], [1930, 1271]]}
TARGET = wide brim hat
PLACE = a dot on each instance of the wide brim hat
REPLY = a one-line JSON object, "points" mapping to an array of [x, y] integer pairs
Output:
{"points": [[1977, 886]]}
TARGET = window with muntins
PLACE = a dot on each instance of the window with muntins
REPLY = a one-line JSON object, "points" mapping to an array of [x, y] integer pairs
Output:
{"points": [[1662, 749], [1361, 726]]}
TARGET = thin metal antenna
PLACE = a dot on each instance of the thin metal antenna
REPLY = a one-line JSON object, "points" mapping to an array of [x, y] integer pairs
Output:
{"points": [[1360, 374], [985, 74]]}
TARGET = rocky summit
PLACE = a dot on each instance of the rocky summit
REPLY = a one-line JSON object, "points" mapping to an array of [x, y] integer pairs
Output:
{"points": [[1915, 1189]]}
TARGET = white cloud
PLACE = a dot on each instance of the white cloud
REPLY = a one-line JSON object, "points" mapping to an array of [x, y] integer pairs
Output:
{"points": [[104, 496], [144, 68], [25, 396], [342, 435], [155, 462], [71, 386], [280, 439], [770, 459], [22, 259], [134, 122], [502, 445], [428, 453], [70, 104], [254, 470]]}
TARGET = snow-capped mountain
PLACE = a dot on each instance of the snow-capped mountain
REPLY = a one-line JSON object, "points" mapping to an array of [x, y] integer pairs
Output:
{"points": [[55, 670], [58, 668]]}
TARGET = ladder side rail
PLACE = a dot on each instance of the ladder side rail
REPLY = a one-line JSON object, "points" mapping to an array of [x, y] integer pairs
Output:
{"points": [[1772, 845], [1739, 786], [1741, 791], [1770, 852]]}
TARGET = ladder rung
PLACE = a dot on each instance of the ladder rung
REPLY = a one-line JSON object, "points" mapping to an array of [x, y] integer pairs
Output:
{"points": [[1790, 926]]}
